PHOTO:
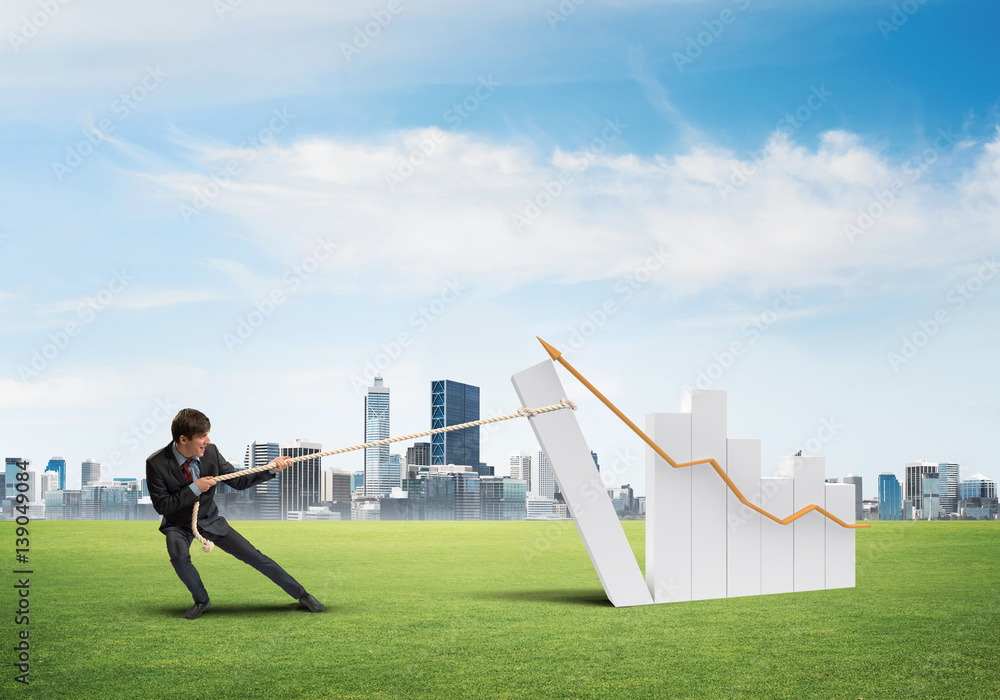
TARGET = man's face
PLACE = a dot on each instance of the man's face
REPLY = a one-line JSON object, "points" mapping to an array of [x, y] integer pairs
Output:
{"points": [[193, 446]]}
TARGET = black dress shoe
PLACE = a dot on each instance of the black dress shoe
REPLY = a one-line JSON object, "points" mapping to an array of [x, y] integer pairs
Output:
{"points": [[310, 602], [195, 611]]}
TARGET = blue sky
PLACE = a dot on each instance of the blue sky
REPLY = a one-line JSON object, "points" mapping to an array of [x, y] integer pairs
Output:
{"points": [[794, 202]]}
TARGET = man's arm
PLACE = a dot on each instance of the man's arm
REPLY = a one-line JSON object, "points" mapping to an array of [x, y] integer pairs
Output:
{"points": [[163, 501]]}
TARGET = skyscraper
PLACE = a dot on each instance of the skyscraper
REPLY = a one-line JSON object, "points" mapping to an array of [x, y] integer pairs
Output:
{"points": [[913, 489], [266, 494], [520, 467], [856, 480], [378, 479], [300, 483], [545, 480], [948, 483], [890, 497], [48, 481], [419, 455], [931, 486], [453, 403], [11, 469], [596, 463], [977, 486], [91, 472], [58, 465]]}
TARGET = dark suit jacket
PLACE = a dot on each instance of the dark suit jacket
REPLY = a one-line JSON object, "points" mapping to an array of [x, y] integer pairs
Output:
{"points": [[172, 497]]}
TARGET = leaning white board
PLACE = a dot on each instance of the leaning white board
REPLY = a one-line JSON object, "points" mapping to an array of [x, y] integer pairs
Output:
{"points": [[580, 483]]}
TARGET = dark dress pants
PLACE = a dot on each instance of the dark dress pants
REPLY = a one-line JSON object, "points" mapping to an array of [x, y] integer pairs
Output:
{"points": [[179, 546]]}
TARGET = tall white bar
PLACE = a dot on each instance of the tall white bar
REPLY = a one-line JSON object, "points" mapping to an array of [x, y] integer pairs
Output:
{"points": [[840, 501], [561, 439], [668, 509], [809, 531], [777, 544], [743, 544], [708, 492]]}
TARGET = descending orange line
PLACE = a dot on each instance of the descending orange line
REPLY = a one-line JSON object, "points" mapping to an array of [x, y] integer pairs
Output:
{"points": [[557, 356]]}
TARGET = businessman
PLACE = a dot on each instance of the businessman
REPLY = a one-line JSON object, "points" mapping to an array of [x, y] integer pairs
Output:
{"points": [[184, 472]]}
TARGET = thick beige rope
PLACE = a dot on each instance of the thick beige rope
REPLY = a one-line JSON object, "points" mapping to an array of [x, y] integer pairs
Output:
{"points": [[522, 412]]}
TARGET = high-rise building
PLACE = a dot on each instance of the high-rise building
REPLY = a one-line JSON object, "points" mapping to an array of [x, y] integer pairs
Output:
{"points": [[948, 482], [397, 466], [858, 509], [58, 465], [545, 481], [48, 481], [890, 497], [466, 495], [300, 483], [91, 472], [977, 486], [378, 477], [931, 501], [454, 403], [336, 486], [913, 489], [419, 455], [596, 463], [266, 496], [358, 482], [11, 468], [502, 498], [520, 467], [63, 505]]}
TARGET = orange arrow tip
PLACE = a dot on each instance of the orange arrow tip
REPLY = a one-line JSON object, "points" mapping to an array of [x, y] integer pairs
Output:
{"points": [[553, 353]]}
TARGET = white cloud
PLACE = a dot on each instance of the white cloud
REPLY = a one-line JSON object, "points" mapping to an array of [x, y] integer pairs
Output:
{"points": [[491, 212]]}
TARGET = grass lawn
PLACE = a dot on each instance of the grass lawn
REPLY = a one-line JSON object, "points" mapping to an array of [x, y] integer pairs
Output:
{"points": [[491, 610]]}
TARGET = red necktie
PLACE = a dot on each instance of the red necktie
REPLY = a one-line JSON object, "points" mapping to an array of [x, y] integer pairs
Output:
{"points": [[187, 472]]}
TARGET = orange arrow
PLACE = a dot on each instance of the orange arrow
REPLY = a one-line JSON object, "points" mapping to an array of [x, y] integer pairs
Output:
{"points": [[557, 356]]}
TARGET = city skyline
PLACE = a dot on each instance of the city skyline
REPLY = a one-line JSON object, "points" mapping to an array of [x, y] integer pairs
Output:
{"points": [[254, 214]]}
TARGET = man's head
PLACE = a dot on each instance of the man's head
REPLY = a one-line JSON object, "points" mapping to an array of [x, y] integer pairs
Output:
{"points": [[190, 432]]}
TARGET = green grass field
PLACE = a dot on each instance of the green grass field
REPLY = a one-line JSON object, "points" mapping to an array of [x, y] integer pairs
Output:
{"points": [[492, 610]]}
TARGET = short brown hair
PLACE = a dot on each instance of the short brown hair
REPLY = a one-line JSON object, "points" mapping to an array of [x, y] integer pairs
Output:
{"points": [[189, 422]]}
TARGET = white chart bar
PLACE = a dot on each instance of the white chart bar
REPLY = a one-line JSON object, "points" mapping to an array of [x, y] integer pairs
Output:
{"points": [[743, 547], [809, 531], [560, 437], [709, 494], [777, 573], [840, 540], [668, 509]]}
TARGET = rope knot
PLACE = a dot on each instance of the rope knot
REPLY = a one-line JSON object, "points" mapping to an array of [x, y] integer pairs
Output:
{"points": [[566, 403], [524, 411]]}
